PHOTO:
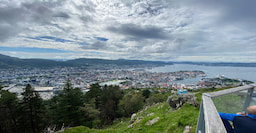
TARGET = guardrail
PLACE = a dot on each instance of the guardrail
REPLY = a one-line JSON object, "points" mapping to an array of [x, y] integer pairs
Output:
{"points": [[209, 120]]}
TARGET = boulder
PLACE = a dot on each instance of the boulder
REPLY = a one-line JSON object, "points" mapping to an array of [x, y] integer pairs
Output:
{"points": [[151, 122], [151, 114], [187, 129], [176, 101], [138, 119], [133, 118]]}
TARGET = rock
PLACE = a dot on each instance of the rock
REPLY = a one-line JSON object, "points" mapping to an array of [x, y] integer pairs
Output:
{"points": [[146, 108], [132, 118], [150, 114], [176, 101], [139, 119], [151, 122], [135, 122], [187, 129], [130, 126]]}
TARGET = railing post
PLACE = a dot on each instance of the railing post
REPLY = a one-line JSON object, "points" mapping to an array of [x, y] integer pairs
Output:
{"points": [[201, 123], [248, 99]]}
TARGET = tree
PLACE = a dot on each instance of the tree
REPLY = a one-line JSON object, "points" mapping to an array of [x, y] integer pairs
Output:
{"points": [[132, 103], [146, 93], [32, 110], [8, 109], [110, 100], [93, 96], [157, 97], [91, 115], [66, 107]]}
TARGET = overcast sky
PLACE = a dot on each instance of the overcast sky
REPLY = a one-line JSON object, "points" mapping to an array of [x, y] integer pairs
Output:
{"points": [[166, 30]]}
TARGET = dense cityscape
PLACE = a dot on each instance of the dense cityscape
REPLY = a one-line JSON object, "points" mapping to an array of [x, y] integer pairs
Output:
{"points": [[49, 81]]}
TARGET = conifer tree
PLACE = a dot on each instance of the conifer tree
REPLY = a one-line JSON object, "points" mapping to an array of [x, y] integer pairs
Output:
{"points": [[93, 96], [66, 109], [32, 111], [8, 109], [110, 100]]}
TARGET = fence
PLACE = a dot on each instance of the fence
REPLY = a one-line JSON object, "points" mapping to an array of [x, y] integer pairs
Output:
{"points": [[209, 120]]}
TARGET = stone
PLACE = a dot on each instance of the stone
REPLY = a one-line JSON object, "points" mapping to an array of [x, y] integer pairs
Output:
{"points": [[133, 118], [187, 129], [176, 101], [151, 114], [151, 122]]}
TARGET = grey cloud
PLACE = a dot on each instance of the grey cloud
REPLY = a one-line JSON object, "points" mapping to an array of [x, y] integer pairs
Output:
{"points": [[138, 32], [11, 15], [170, 46], [6, 31], [87, 9], [38, 12], [20, 17], [232, 11], [86, 19], [61, 15], [148, 8], [9, 22], [98, 45]]}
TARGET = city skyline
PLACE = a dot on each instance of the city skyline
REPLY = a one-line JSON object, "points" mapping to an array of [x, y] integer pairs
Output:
{"points": [[197, 30]]}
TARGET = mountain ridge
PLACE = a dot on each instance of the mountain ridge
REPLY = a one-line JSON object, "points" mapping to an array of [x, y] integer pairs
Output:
{"points": [[14, 62]]}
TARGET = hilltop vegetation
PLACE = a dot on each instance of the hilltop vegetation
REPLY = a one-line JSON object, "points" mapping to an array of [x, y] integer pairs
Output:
{"points": [[98, 108], [102, 109], [169, 121]]}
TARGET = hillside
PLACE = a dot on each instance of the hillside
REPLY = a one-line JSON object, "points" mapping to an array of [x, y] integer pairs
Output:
{"points": [[169, 121]]}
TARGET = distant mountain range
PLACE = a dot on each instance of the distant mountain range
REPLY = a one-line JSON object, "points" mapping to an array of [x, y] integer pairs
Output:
{"points": [[13, 62]]}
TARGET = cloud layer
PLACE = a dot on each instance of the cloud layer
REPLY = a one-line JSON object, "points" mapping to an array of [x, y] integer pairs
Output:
{"points": [[168, 30]]}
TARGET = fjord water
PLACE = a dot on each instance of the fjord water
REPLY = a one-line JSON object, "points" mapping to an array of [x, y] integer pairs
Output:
{"points": [[245, 73]]}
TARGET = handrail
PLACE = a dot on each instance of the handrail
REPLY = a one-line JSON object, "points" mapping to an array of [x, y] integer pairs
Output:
{"points": [[232, 90], [209, 120]]}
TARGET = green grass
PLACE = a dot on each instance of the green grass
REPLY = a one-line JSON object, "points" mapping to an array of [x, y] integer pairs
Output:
{"points": [[169, 122], [79, 129]]}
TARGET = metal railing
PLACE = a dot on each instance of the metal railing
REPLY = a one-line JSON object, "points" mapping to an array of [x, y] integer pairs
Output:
{"points": [[209, 120]]}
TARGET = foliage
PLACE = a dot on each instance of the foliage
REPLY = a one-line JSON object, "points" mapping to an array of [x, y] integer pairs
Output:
{"points": [[66, 107], [91, 115], [146, 93], [157, 97], [131, 103], [169, 122], [8, 109], [79, 129], [93, 96], [22, 115], [106, 107], [32, 110], [110, 100]]}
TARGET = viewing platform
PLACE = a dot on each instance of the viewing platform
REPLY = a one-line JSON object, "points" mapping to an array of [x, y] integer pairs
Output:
{"points": [[227, 101]]}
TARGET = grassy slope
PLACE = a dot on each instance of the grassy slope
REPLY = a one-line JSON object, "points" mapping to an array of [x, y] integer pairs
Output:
{"points": [[169, 122]]}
